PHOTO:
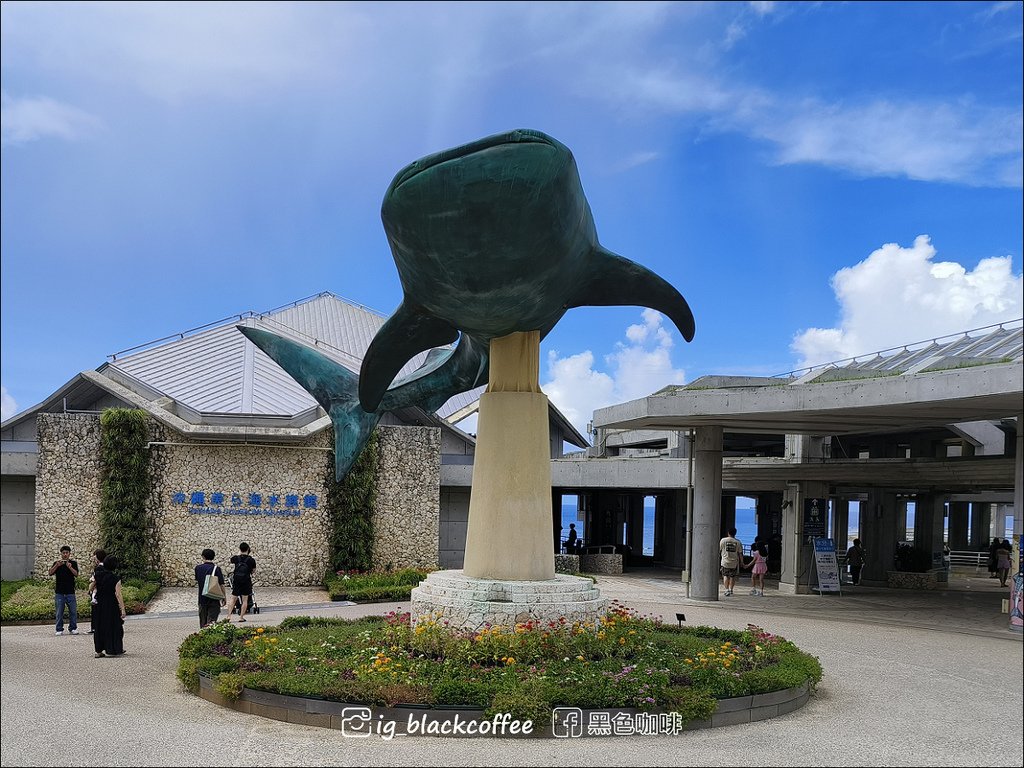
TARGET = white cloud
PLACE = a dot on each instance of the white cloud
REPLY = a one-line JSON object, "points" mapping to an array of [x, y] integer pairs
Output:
{"points": [[7, 405], [635, 369], [900, 296], [28, 119], [929, 142]]}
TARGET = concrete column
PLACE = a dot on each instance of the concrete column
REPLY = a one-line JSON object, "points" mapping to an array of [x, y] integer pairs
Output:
{"points": [[635, 524], [1018, 496], [981, 524], [929, 521], [958, 525], [797, 552], [729, 516], [707, 513], [509, 530], [841, 523], [901, 520], [878, 536]]}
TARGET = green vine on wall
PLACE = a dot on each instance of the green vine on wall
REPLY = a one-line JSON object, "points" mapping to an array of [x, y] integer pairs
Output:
{"points": [[125, 488], [350, 506]]}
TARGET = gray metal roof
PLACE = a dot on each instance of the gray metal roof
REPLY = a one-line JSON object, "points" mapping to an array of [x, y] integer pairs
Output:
{"points": [[972, 376], [216, 370]]}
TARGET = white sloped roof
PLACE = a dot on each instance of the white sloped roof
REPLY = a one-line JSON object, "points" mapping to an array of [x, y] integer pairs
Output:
{"points": [[216, 370]]}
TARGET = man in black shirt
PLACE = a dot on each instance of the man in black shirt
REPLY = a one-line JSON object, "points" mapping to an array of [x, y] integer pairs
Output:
{"points": [[65, 570]]}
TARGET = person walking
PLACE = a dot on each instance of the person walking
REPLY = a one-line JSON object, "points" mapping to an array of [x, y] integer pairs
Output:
{"points": [[758, 566], [241, 580], [855, 560], [66, 570], [1003, 554], [108, 614], [209, 607], [993, 558], [731, 551]]}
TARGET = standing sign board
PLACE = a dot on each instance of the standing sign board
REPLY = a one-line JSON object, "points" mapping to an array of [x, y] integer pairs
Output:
{"points": [[827, 565]]}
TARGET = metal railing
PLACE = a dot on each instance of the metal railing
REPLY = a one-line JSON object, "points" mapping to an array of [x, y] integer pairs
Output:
{"points": [[965, 559]]}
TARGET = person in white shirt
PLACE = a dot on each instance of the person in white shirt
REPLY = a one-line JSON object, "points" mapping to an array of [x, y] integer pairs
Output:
{"points": [[731, 551]]}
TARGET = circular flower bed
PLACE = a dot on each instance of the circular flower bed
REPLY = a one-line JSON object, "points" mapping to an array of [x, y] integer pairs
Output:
{"points": [[623, 660]]}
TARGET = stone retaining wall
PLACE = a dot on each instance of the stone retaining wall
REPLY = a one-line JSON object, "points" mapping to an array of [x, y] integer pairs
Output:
{"points": [[329, 714], [209, 494], [908, 580], [607, 564]]}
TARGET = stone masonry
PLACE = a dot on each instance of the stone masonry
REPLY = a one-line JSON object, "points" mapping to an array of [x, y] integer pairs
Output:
{"points": [[210, 494], [407, 513]]}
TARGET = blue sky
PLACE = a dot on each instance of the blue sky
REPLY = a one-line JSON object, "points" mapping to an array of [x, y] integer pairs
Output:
{"points": [[820, 180]]}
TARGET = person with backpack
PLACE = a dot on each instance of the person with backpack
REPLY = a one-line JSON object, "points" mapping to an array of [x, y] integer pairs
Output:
{"points": [[731, 551], [241, 580]]}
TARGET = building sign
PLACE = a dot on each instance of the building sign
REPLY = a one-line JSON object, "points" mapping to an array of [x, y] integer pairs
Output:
{"points": [[258, 504], [827, 565], [815, 518]]}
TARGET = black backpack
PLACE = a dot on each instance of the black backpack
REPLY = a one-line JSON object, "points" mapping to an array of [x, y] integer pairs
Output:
{"points": [[242, 566]]}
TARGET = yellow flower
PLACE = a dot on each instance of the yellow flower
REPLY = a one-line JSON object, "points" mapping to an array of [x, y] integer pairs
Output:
{"points": [[260, 630], [510, 660], [273, 639], [579, 658]]}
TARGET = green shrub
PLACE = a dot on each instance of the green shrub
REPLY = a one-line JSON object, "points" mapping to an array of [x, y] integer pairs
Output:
{"points": [[530, 700], [349, 509], [229, 684], [124, 521], [33, 599], [374, 585]]}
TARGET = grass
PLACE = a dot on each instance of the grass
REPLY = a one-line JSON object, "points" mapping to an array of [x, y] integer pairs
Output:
{"points": [[624, 660], [32, 599], [373, 586]]}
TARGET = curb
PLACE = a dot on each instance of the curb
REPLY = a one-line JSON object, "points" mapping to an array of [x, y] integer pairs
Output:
{"points": [[395, 720]]}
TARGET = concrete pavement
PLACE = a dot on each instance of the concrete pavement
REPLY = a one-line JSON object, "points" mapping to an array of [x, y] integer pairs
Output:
{"points": [[910, 679]]}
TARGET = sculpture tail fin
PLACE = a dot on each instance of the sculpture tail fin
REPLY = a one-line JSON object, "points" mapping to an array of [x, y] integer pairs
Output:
{"points": [[617, 281], [334, 387]]}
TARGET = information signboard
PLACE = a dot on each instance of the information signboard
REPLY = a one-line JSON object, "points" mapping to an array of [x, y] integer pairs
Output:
{"points": [[827, 565]]}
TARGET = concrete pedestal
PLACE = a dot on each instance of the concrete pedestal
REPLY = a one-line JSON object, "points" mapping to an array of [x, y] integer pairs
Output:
{"points": [[465, 602]]}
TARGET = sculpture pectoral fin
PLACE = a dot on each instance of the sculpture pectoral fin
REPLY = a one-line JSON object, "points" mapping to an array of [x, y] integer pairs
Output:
{"points": [[331, 384], [611, 280], [406, 333]]}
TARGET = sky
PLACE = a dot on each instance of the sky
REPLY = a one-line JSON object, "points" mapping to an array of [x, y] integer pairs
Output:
{"points": [[819, 180]]}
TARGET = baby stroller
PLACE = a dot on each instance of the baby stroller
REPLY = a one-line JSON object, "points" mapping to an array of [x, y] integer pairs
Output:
{"points": [[236, 603], [254, 607]]}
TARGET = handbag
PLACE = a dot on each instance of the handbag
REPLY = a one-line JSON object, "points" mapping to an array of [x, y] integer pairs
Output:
{"points": [[212, 588]]}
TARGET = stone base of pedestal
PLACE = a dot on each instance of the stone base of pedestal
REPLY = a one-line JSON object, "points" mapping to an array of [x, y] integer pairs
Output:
{"points": [[468, 603]]}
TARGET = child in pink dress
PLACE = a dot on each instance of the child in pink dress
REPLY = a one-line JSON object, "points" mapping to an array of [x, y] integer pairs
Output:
{"points": [[759, 567]]}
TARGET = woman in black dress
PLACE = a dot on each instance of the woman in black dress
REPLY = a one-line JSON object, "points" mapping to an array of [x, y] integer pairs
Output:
{"points": [[108, 614]]}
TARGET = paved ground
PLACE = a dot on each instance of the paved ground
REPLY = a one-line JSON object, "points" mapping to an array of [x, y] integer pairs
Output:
{"points": [[911, 678]]}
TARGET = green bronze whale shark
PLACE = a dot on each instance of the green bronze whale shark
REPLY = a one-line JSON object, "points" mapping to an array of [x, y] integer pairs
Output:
{"points": [[490, 238]]}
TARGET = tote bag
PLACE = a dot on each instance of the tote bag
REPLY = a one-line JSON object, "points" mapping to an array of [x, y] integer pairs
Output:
{"points": [[212, 588]]}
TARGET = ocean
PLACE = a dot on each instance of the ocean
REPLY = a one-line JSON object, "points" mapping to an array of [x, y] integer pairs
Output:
{"points": [[746, 529]]}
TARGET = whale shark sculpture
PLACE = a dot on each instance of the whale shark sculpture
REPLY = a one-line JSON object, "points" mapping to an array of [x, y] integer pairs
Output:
{"points": [[490, 238]]}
